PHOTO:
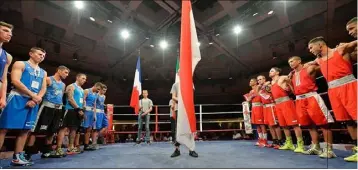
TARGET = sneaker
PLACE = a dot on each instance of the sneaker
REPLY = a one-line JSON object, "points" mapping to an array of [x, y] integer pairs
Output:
{"points": [[72, 151], [258, 142], [287, 146], [355, 149], [270, 145], [175, 153], [20, 160], [95, 146], [46, 155], [327, 153], [354, 157], [314, 150], [300, 147], [276, 146], [78, 149], [263, 143], [193, 154], [28, 156], [89, 148], [58, 153]]}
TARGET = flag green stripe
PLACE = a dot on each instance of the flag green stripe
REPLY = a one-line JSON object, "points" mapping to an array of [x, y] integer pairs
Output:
{"points": [[176, 71]]}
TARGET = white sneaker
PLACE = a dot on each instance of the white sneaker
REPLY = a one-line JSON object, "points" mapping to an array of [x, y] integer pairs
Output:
{"points": [[19, 160]]}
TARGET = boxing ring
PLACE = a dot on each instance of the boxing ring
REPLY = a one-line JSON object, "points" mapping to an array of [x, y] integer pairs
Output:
{"points": [[212, 154], [227, 153]]}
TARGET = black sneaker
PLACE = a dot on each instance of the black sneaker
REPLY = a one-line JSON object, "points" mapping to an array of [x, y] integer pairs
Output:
{"points": [[193, 154], [28, 156], [175, 154], [148, 142], [89, 148], [46, 155]]}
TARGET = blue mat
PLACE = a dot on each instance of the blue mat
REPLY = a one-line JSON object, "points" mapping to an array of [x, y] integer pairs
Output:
{"points": [[213, 154]]}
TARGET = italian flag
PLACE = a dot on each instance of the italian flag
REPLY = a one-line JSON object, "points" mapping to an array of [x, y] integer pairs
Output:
{"points": [[189, 58], [176, 71]]}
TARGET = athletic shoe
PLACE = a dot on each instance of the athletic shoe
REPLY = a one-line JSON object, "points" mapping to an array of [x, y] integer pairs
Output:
{"points": [[288, 146], [20, 160], [258, 142], [72, 151], [78, 149], [58, 153], [46, 155], [276, 146], [263, 143], [300, 147], [314, 150], [354, 157], [96, 146], [327, 153], [89, 148]]}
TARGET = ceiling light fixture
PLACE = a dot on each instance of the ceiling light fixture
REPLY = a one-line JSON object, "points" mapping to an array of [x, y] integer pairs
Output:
{"points": [[163, 44], [237, 29], [78, 4], [125, 34]]}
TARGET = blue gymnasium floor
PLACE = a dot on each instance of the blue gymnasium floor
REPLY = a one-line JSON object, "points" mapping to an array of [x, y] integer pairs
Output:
{"points": [[214, 154]]}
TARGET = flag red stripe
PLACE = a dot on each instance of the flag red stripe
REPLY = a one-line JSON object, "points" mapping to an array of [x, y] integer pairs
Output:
{"points": [[185, 73], [135, 100]]}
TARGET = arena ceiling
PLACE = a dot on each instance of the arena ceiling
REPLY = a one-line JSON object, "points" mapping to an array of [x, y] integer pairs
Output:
{"points": [[72, 38]]}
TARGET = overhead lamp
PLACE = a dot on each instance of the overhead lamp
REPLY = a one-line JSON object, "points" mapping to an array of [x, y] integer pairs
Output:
{"points": [[78, 4], [237, 29], [163, 44], [125, 34]]}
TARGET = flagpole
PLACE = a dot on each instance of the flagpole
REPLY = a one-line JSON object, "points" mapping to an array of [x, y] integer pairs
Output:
{"points": [[140, 71]]}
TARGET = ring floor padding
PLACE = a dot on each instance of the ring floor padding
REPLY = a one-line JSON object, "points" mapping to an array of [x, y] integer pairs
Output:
{"points": [[212, 154]]}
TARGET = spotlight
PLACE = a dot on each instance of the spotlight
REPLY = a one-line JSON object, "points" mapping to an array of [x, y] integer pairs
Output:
{"points": [[78, 4], [237, 29], [92, 19], [75, 56], [216, 32], [151, 43], [210, 38], [163, 44], [271, 12], [274, 55], [125, 34]]}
